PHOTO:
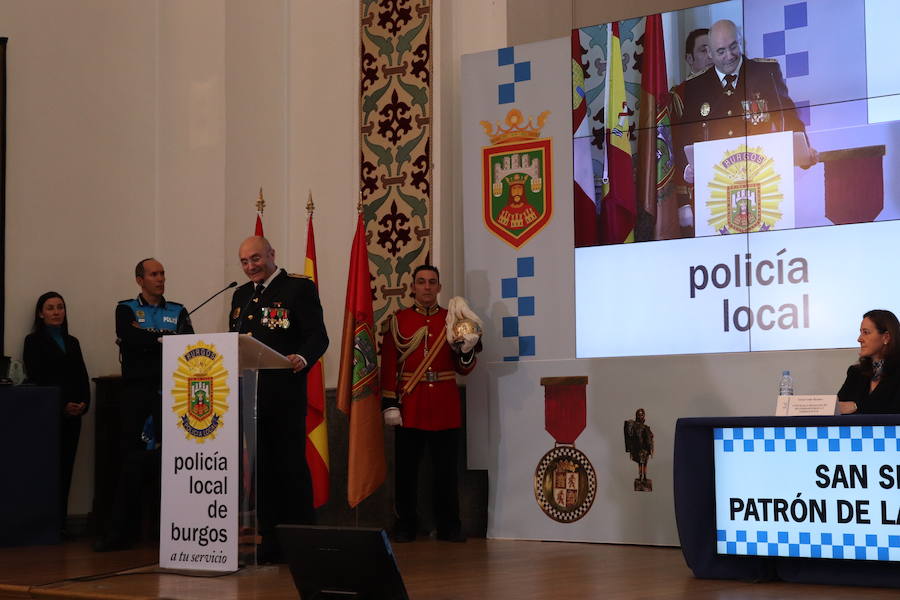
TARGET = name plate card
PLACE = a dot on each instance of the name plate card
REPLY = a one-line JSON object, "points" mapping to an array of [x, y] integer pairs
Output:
{"points": [[805, 406]]}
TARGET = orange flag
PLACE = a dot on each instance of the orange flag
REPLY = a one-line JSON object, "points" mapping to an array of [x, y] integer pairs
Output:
{"points": [[316, 417], [358, 392]]}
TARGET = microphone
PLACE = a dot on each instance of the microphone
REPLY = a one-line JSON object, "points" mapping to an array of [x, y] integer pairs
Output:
{"points": [[202, 304], [777, 97]]}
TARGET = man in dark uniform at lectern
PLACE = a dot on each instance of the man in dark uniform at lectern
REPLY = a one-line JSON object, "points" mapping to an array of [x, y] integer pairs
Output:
{"points": [[283, 312], [733, 98]]}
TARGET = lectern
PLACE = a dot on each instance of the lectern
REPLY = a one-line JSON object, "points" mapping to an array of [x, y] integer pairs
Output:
{"points": [[208, 504]]}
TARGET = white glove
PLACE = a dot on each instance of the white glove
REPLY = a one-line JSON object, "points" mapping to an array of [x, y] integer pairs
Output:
{"points": [[392, 416], [685, 215], [689, 173], [470, 340]]}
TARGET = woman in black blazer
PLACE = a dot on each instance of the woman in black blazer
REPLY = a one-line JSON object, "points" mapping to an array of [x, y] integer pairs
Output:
{"points": [[53, 358], [873, 384]]}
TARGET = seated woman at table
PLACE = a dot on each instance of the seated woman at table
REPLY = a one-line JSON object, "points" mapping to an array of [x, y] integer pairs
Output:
{"points": [[53, 358], [873, 384]]}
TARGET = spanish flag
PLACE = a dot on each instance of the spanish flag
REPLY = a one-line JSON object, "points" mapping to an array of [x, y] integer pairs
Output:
{"points": [[618, 210], [358, 392], [316, 415]]}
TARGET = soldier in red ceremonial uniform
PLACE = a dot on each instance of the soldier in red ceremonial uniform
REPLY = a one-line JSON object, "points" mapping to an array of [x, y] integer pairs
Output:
{"points": [[420, 397]]}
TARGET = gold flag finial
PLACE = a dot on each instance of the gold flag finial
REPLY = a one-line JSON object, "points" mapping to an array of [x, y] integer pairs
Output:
{"points": [[310, 207], [359, 205], [260, 203]]}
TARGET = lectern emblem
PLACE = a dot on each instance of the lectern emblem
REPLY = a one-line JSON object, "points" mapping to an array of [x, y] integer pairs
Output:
{"points": [[200, 391], [744, 195]]}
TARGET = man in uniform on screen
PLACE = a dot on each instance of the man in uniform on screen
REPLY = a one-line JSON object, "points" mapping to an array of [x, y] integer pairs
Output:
{"points": [[696, 52], [696, 55], [735, 97]]}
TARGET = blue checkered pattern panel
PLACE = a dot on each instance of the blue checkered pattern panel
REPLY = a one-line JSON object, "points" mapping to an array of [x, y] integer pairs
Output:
{"points": [[522, 306], [776, 44], [809, 545], [512, 73], [840, 439]]}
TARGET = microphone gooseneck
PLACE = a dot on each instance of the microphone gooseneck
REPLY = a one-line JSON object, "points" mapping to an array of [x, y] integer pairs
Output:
{"points": [[778, 98], [202, 304]]}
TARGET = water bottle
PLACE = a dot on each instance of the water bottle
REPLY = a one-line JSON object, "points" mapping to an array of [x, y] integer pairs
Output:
{"points": [[786, 384]]}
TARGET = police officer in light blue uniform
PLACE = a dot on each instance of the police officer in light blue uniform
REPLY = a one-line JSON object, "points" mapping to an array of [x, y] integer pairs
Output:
{"points": [[141, 324]]}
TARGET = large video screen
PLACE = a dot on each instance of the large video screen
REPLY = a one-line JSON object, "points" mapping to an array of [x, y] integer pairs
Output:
{"points": [[736, 177]]}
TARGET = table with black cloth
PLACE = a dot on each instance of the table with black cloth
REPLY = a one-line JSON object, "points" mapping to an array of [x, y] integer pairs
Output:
{"points": [[695, 510], [29, 445]]}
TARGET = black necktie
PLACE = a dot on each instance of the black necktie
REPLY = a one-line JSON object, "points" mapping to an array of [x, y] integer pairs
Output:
{"points": [[257, 292], [729, 81]]}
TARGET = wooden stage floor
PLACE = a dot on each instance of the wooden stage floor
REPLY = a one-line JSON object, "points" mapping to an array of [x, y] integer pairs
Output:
{"points": [[431, 570]]}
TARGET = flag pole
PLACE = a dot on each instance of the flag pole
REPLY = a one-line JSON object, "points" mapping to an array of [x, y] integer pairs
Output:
{"points": [[260, 208], [317, 454]]}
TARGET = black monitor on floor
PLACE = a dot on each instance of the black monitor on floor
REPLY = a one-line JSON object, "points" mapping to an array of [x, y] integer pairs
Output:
{"points": [[341, 562]]}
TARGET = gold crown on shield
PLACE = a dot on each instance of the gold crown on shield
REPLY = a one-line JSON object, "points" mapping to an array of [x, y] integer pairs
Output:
{"points": [[517, 128]]}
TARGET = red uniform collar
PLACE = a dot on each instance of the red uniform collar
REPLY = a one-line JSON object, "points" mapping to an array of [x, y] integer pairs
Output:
{"points": [[432, 310]]}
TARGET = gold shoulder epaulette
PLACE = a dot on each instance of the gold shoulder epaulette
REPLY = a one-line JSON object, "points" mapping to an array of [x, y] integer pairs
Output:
{"points": [[692, 75], [298, 275], [385, 325], [765, 60], [388, 322], [676, 103]]}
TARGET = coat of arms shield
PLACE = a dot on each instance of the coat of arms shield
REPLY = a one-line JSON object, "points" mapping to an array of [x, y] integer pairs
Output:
{"points": [[517, 176]]}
